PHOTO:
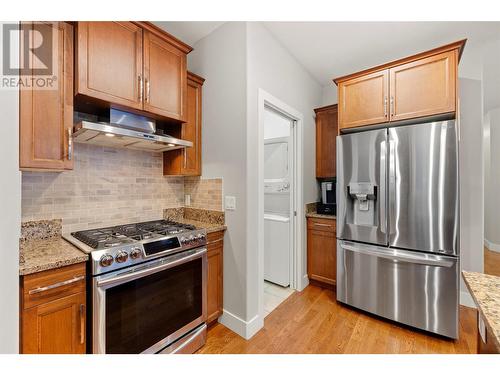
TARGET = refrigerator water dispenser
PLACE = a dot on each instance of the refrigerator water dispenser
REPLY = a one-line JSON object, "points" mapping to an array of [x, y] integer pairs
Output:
{"points": [[363, 195]]}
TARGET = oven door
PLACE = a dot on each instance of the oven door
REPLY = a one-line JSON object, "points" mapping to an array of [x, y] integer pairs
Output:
{"points": [[144, 309]]}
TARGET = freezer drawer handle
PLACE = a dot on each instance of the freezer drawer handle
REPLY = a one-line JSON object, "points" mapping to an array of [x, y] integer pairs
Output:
{"points": [[396, 255]]}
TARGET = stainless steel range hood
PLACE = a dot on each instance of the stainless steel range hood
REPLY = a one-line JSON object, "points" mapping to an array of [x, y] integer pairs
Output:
{"points": [[136, 134]]}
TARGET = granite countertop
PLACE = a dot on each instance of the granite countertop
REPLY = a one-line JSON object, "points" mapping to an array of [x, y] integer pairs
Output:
{"points": [[45, 254], [485, 290], [320, 216], [210, 227]]}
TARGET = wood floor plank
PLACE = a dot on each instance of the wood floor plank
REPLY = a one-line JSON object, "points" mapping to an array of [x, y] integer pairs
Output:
{"points": [[312, 321]]}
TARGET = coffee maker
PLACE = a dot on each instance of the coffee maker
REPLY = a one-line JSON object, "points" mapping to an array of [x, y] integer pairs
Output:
{"points": [[328, 203]]}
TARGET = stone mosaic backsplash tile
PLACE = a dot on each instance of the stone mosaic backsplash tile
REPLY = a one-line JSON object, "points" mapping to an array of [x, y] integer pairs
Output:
{"points": [[106, 187], [111, 186], [205, 193]]}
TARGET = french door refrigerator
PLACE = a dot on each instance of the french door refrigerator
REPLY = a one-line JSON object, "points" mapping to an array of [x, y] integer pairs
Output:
{"points": [[398, 224]]}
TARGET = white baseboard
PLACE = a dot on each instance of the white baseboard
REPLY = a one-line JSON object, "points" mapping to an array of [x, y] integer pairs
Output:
{"points": [[466, 299], [245, 329], [492, 246]]}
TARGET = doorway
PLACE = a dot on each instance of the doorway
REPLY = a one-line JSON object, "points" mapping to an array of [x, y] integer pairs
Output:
{"points": [[278, 207]]}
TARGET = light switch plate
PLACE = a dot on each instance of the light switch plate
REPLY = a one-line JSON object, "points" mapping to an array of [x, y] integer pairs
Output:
{"points": [[187, 200], [230, 202]]}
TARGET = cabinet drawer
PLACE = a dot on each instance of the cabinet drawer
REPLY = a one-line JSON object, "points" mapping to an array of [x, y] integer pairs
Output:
{"points": [[43, 287], [326, 225], [214, 239]]}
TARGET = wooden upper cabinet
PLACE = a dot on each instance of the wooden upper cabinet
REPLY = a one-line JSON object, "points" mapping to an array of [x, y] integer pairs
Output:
{"points": [[109, 62], [187, 162], [164, 77], [424, 87], [326, 133], [363, 100], [417, 86], [46, 115]]}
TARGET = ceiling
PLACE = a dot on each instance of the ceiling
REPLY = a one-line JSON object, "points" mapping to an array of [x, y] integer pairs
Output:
{"points": [[189, 31], [331, 49]]}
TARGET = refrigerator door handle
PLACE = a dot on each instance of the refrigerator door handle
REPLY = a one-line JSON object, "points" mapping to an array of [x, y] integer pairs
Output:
{"points": [[392, 186], [401, 255], [382, 192]]}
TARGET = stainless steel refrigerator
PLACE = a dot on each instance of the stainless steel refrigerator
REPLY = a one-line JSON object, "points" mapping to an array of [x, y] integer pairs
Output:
{"points": [[398, 224]]}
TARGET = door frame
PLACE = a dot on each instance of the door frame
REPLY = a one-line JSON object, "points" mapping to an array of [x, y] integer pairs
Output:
{"points": [[299, 278]]}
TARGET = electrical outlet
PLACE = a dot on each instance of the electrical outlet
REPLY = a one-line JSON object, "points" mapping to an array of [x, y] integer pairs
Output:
{"points": [[187, 200], [230, 202]]}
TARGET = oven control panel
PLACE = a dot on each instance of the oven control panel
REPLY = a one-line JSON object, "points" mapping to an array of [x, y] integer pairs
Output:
{"points": [[122, 256]]}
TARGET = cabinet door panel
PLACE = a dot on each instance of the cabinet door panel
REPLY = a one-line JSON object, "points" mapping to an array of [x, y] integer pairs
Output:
{"points": [[363, 100], [191, 130], [424, 87], [46, 115], [326, 133], [215, 276], [56, 327], [321, 256], [165, 78], [109, 60]]}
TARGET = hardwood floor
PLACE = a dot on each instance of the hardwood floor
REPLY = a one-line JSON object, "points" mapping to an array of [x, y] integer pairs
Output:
{"points": [[312, 321], [491, 262]]}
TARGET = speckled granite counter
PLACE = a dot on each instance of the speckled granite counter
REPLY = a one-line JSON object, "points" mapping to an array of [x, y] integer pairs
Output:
{"points": [[485, 290], [311, 212], [210, 227], [212, 221], [41, 247], [321, 216], [45, 254]]}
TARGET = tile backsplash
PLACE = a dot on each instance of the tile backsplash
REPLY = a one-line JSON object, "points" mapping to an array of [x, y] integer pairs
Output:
{"points": [[108, 187], [205, 194]]}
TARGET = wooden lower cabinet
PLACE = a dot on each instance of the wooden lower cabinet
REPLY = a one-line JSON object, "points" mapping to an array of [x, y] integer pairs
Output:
{"points": [[322, 251], [487, 344], [53, 310], [215, 247]]}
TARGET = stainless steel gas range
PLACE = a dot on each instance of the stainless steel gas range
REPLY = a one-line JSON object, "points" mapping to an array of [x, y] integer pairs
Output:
{"points": [[147, 287]]}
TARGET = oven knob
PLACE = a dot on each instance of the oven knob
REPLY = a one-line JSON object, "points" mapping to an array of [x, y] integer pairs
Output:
{"points": [[121, 257], [192, 239], [200, 237], [184, 241], [135, 253], [106, 260]]}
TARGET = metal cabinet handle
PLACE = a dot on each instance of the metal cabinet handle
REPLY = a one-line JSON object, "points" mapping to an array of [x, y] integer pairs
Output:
{"points": [[70, 144], [322, 225], [185, 158], [141, 87], [82, 323], [56, 285], [383, 179], [385, 106], [392, 106], [147, 90], [215, 241]]}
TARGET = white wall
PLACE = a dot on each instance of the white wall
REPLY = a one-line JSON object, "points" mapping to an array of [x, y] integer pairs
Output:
{"points": [[221, 59], [10, 219], [471, 177], [273, 69], [237, 60], [329, 95], [492, 179]]}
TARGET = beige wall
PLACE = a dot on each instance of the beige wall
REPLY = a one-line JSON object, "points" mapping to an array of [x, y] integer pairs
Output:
{"points": [[205, 193], [109, 186]]}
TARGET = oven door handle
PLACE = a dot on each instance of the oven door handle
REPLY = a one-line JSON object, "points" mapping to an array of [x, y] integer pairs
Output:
{"points": [[133, 275]]}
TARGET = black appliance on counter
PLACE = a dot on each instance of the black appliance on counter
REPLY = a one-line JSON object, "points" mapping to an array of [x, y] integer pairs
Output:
{"points": [[328, 203]]}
